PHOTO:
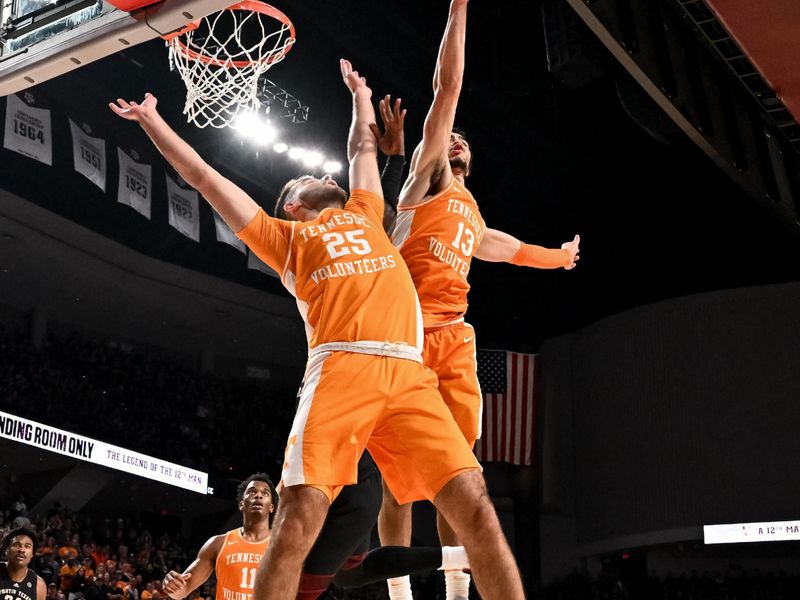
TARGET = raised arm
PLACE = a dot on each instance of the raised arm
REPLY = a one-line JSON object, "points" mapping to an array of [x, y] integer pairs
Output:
{"points": [[430, 168], [362, 147], [391, 142], [179, 585], [232, 203], [497, 246]]}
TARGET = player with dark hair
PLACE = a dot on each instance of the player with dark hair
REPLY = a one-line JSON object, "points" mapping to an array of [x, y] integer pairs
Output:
{"points": [[438, 230], [17, 580], [234, 555], [340, 554]]}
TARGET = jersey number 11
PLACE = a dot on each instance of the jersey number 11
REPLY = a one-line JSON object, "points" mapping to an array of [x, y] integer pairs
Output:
{"points": [[248, 583]]}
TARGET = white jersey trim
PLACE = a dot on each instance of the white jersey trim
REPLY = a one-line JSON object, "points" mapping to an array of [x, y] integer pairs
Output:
{"points": [[402, 228], [452, 186], [289, 252], [293, 471], [478, 383]]}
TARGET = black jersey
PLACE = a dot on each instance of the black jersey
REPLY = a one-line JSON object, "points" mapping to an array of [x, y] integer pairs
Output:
{"points": [[17, 590]]}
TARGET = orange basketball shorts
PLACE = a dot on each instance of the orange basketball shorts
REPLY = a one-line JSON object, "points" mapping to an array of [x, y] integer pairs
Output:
{"points": [[352, 401], [449, 352]]}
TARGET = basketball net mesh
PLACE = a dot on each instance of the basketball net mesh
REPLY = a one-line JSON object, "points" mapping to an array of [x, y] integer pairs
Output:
{"points": [[220, 69]]}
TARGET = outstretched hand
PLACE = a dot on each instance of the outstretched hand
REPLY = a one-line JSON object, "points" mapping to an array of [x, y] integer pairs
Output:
{"points": [[175, 583], [392, 141], [133, 111], [352, 79], [573, 249]]}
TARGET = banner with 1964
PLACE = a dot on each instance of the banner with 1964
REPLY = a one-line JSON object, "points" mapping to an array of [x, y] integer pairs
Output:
{"points": [[28, 129]]}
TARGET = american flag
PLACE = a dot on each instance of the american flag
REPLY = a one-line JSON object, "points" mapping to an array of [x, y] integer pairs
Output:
{"points": [[509, 384]]}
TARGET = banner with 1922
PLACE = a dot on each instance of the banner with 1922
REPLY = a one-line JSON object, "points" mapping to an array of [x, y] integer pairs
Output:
{"points": [[135, 183], [28, 129]]}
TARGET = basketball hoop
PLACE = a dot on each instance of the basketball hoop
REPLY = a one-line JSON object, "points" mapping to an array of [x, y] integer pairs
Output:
{"points": [[220, 58]]}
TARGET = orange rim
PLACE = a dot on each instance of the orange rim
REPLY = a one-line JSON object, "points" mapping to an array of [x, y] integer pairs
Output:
{"points": [[189, 27], [251, 5]]}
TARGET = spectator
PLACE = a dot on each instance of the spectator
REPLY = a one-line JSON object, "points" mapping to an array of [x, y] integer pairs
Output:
{"points": [[46, 567], [67, 573], [68, 552], [97, 589], [52, 591], [147, 592], [79, 584], [21, 520], [19, 507]]}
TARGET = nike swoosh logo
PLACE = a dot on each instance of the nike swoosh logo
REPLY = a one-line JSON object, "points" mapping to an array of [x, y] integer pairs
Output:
{"points": [[467, 340], [231, 543]]}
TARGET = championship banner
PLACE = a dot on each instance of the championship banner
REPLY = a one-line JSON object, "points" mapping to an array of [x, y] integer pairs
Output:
{"points": [[225, 234], [28, 129], [135, 183], [255, 263], [100, 453], [183, 210], [89, 154], [736, 533]]}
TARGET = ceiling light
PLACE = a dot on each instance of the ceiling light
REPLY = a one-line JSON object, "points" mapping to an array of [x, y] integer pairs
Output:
{"points": [[312, 159]]}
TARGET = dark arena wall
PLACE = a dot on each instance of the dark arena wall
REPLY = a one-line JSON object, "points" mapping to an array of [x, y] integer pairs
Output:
{"points": [[664, 418]]}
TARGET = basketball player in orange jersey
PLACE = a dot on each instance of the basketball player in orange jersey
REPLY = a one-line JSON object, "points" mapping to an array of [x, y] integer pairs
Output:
{"points": [[234, 556], [364, 385], [438, 230]]}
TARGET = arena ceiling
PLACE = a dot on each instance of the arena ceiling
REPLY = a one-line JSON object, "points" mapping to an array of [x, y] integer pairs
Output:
{"points": [[657, 220]]}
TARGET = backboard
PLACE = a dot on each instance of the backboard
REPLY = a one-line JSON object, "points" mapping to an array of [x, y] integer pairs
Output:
{"points": [[41, 39]]}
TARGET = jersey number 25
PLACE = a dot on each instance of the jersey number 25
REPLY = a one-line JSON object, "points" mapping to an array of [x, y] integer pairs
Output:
{"points": [[351, 242]]}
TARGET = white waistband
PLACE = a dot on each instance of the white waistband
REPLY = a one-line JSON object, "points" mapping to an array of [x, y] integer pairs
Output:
{"points": [[393, 349], [454, 322]]}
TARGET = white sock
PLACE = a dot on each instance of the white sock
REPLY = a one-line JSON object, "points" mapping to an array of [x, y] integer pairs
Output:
{"points": [[454, 558], [457, 585], [400, 588]]}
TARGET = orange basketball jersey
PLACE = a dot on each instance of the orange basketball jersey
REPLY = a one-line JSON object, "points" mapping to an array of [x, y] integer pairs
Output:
{"points": [[437, 240], [236, 566], [352, 287]]}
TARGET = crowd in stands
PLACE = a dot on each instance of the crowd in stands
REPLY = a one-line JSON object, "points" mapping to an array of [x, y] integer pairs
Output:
{"points": [[95, 558], [92, 558], [101, 558], [126, 397]]}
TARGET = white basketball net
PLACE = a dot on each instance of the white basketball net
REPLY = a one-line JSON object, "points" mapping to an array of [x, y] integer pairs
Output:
{"points": [[221, 69]]}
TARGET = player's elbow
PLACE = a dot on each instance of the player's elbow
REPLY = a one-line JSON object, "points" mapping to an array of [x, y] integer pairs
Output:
{"points": [[448, 81], [363, 147], [199, 177]]}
